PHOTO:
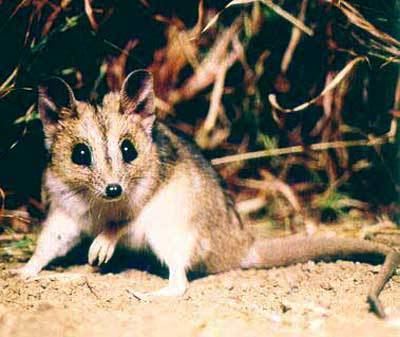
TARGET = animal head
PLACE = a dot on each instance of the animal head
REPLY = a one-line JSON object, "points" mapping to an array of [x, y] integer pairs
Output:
{"points": [[101, 150]]}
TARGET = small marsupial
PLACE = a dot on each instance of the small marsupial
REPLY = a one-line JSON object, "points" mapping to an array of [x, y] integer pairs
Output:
{"points": [[117, 173]]}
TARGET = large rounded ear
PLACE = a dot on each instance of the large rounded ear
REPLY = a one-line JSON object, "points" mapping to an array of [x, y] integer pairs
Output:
{"points": [[137, 97], [56, 102]]}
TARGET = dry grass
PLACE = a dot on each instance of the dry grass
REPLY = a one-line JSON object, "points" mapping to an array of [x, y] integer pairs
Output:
{"points": [[226, 78]]}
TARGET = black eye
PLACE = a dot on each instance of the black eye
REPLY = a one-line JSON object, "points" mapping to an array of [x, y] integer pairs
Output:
{"points": [[128, 151], [81, 155]]}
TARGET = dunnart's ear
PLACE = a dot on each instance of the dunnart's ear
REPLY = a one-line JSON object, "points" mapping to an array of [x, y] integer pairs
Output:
{"points": [[56, 102], [137, 97]]}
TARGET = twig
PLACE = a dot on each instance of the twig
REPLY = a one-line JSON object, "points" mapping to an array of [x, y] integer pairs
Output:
{"points": [[91, 289], [277, 9], [289, 17], [51, 19], [346, 71], [294, 39], [90, 15], [23, 133], [386, 138], [134, 295], [215, 105], [280, 186], [3, 201], [206, 73], [357, 19], [196, 30], [8, 84]]}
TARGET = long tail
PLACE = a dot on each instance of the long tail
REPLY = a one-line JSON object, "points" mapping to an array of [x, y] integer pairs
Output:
{"points": [[285, 251]]}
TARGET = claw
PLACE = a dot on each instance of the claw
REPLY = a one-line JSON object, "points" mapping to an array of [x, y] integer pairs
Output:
{"points": [[101, 255], [102, 249], [110, 253], [93, 253]]}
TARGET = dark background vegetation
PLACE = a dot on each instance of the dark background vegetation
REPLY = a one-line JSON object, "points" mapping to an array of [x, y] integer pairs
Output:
{"points": [[227, 72]]}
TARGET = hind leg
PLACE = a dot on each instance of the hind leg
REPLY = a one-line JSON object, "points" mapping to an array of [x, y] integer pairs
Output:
{"points": [[176, 250], [177, 286], [177, 283]]}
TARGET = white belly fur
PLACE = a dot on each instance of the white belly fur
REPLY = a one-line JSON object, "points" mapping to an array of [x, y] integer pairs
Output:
{"points": [[165, 223]]}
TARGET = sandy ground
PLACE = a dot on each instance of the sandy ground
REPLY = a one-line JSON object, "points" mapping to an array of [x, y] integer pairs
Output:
{"points": [[313, 299]]}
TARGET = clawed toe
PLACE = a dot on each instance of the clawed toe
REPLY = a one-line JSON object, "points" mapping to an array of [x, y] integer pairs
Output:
{"points": [[101, 250]]}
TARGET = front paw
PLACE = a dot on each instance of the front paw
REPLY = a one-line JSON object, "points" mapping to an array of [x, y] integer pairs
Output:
{"points": [[26, 272], [102, 249]]}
